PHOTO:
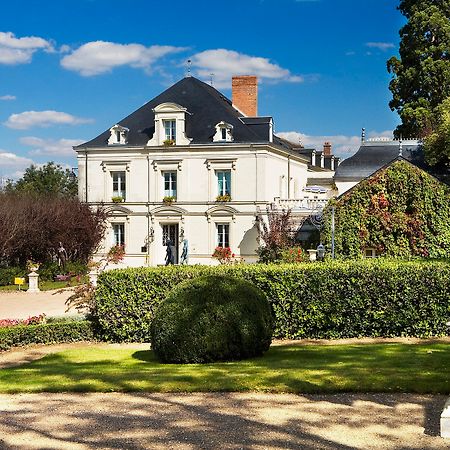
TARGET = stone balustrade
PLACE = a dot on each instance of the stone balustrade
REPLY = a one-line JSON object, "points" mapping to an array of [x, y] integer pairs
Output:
{"points": [[305, 204]]}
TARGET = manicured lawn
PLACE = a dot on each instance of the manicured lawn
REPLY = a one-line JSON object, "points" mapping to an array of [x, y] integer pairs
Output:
{"points": [[300, 369]]}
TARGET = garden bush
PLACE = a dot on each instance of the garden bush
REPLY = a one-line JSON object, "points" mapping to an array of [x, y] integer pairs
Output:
{"points": [[47, 333], [212, 318], [7, 275], [321, 300]]}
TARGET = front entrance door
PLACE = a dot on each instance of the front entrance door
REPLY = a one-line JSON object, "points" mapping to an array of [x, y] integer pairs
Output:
{"points": [[170, 231]]}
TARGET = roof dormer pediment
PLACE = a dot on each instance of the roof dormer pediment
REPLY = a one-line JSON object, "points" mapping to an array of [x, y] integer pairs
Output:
{"points": [[168, 108]]}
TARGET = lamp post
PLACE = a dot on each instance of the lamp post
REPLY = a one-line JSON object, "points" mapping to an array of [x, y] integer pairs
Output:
{"points": [[332, 232]]}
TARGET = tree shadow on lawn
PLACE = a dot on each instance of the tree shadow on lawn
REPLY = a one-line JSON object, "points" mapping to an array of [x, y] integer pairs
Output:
{"points": [[354, 368], [282, 369]]}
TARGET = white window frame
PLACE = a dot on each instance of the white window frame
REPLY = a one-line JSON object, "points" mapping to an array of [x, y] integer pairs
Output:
{"points": [[222, 235], [221, 165], [122, 235], [173, 180], [370, 252], [224, 182], [170, 129], [120, 180]]}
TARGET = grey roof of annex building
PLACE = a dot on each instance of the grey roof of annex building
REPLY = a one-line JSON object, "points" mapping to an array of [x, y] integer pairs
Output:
{"points": [[206, 107], [372, 155]]}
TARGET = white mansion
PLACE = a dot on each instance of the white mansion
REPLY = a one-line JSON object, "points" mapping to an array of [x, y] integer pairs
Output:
{"points": [[193, 167]]}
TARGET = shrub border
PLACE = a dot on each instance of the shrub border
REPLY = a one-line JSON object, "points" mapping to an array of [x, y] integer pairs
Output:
{"points": [[339, 299], [47, 333]]}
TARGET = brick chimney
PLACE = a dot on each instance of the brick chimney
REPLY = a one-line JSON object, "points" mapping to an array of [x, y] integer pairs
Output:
{"points": [[327, 148], [245, 94]]}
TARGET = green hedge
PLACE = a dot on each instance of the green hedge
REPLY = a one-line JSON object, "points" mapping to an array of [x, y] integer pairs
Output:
{"points": [[48, 333], [322, 300]]}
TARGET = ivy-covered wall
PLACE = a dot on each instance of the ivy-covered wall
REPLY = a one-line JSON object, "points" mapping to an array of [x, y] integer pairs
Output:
{"points": [[400, 211]]}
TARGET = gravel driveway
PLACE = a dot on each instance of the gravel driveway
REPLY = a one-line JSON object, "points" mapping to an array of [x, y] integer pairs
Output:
{"points": [[220, 421], [21, 305]]}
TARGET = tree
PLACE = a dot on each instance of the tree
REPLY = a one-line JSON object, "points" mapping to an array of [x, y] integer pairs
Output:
{"points": [[34, 227], [421, 77], [277, 234], [437, 143], [50, 179]]}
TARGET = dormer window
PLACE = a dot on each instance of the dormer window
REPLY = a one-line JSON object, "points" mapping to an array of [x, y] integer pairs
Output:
{"points": [[170, 125], [224, 132], [119, 135]]}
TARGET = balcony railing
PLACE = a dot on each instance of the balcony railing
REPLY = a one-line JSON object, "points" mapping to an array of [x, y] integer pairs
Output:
{"points": [[304, 204]]}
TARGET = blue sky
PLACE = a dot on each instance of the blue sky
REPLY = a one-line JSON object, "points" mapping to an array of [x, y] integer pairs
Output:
{"points": [[70, 69]]}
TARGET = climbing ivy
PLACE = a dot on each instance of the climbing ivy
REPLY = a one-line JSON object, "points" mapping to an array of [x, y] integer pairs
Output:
{"points": [[400, 211]]}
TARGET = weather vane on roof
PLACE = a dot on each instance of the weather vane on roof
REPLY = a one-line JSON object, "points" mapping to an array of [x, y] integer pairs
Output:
{"points": [[189, 62], [212, 78]]}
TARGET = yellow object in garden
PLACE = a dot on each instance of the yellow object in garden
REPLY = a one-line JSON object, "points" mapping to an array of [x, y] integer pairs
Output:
{"points": [[19, 281]]}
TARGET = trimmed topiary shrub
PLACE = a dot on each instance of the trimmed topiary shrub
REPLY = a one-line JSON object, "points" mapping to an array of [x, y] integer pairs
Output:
{"points": [[212, 318]]}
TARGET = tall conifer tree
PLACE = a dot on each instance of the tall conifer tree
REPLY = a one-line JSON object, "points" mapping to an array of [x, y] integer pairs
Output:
{"points": [[421, 77]]}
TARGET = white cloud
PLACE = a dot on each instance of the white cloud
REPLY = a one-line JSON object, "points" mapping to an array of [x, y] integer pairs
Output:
{"points": [[226, 63], [12, 166], [20, 50], [99, 57], [12, 160], [343, 146], [52, 147], [8, 97], [29, 119], [383, 46]]}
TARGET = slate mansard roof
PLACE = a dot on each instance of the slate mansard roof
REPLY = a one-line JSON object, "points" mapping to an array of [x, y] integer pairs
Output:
{"points": [[206, 107], [372, 155]]}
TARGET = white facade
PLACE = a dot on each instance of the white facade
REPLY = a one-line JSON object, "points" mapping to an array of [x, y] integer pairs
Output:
{"points": [[257, 175]]}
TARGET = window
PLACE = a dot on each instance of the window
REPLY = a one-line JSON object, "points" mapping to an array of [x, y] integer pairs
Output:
{"points": [[119, 233], [118, 136], [170, 184], [224, 182], [170, 130], [118, 179], [370, 253], [223, 235], [224, 132]]}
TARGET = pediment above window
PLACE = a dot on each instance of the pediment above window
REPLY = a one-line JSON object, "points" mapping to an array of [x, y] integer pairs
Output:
{"points": [[168, 211], [169, 107], [119, 135], [117, 210]]}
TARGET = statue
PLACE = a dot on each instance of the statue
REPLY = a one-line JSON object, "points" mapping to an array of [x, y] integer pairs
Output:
{"points": [[170, 255], [62, 256], [184, 253], [320, 252]]}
